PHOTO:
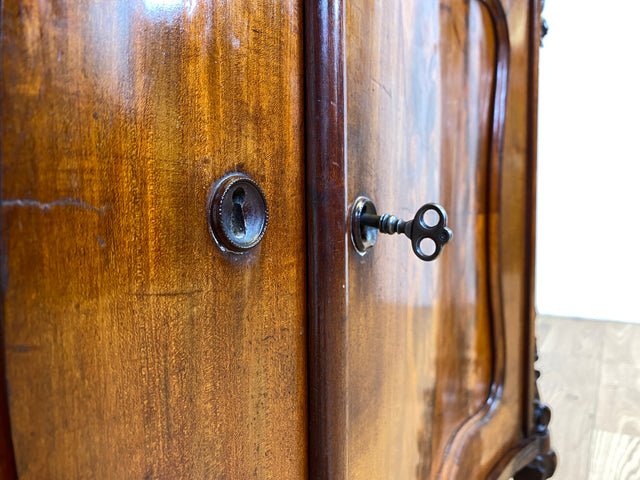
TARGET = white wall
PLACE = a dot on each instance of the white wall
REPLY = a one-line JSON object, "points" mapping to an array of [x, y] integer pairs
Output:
{"points": [[588, 245]]}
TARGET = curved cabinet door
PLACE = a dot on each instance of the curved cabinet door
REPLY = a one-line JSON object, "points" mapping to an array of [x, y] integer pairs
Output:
{"points": [[422, 370], [135, 347]]}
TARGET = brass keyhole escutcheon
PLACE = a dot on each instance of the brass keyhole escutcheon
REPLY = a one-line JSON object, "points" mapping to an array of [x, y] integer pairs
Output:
{"points": [[238, 213]]}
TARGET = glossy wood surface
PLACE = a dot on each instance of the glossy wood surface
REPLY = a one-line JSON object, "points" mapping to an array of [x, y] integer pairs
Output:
{"points": [[431, 361], [437, 364], [134, 347], [327, 245], [7, 458]]}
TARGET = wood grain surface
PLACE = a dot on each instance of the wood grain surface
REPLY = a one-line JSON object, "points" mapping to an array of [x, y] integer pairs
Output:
{"points": [[327, 245], [134, 347], [420, 351], [433, 365], [570, 387], [590, 373]]}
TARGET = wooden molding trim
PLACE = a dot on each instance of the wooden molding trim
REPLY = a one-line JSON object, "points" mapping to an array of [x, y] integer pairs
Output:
{"points": [[486, 414], [7, 458], [327, 240]]}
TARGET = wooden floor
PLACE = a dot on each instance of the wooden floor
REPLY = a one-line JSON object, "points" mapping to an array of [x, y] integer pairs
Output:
{"points": [[590, 376]]}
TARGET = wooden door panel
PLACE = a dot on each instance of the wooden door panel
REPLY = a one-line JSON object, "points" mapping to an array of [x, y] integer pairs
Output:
{"points": [[419, 106], [135, 348], [421, 370]]}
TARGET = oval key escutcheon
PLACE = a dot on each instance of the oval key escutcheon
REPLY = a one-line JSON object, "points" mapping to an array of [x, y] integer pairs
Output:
{"points": [[238, 213]]}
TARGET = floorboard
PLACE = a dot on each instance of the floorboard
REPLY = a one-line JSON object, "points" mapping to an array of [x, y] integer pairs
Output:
{"points": [[590, 376]]}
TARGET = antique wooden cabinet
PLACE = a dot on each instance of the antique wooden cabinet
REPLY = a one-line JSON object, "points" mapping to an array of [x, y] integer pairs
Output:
{"points": [[136, 346]]}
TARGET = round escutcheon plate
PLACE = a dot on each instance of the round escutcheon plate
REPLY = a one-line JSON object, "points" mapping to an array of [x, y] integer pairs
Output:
{"points": [[238, 213]]}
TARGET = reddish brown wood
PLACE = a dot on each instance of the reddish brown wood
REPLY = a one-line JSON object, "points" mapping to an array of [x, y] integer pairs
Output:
{"points": [[7, 459], [415, 371], [492, 418], [534, 42], [327, 241], [135, 347], [432, 364]]}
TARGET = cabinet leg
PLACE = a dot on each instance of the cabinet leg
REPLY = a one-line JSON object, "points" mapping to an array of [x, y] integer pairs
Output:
{"points": [[540, 469], [544, 465]]}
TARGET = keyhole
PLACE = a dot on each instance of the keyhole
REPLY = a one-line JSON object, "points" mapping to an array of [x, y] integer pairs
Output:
{"points": [[237, 217]]}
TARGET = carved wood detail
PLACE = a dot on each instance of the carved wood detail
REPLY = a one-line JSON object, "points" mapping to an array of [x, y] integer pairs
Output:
{"points": [[544, 464], [459, 443]]}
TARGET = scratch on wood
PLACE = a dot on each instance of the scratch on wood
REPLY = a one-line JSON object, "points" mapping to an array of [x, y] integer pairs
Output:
{"points": [[63, 202], [386, 90], [165, 294]]}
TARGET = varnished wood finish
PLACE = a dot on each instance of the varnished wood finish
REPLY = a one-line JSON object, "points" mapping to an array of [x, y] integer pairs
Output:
{"points": [[516, 218], [535, 42], [7, 459], [327, 239], [431, 141], [431, 363], [134, 347]]}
